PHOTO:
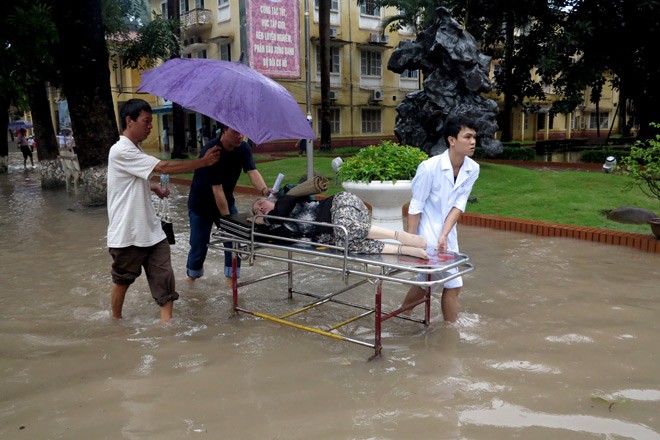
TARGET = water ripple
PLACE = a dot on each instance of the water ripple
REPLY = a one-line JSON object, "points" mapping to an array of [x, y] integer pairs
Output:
{"points": [[506, 415], [570, 338], [525, 366]]}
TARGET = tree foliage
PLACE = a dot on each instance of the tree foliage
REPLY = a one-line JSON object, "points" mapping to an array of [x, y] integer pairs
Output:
{"points": [[643, 164], [512, 31], [573, 44], [615, 42]]}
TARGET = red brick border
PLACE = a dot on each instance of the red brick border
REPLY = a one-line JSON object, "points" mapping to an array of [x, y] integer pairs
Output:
{"points": [[646, 243]]}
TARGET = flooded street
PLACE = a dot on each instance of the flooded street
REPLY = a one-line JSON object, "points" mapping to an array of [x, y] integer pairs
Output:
{"points": [[556, 338]]}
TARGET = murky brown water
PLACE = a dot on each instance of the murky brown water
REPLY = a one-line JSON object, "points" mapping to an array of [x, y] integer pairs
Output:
{"points": [[551, 333]]}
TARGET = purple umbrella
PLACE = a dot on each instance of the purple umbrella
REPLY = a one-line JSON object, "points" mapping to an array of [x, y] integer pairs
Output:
{"points": [[17, 125], [231, 93]]}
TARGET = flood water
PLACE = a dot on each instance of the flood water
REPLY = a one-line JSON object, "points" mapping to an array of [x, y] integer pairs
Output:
{"points": [[556, 338]]}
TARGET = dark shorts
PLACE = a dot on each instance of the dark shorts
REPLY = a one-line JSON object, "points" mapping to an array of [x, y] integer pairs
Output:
{"points": [[27, 151], [127, 264]]}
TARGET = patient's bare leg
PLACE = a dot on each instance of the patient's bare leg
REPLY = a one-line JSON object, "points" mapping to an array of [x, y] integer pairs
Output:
{"points": [[390, 248], [406, 238]]}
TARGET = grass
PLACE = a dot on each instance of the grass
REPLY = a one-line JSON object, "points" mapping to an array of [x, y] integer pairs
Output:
{"points": [[565, 197]]}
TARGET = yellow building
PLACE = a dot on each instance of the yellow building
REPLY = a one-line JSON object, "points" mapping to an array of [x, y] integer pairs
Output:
{"points": [[586, 121], [364, 94], [271, 37]]}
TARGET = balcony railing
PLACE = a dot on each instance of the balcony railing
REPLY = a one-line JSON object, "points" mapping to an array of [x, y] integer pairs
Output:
{"points": [[196, 18]]}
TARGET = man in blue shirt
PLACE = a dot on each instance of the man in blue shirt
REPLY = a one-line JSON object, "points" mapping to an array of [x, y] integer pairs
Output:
{"points": [[212, 196]]}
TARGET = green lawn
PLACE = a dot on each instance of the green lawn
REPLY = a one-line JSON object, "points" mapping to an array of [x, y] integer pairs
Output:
{"points": [[564, 197]]}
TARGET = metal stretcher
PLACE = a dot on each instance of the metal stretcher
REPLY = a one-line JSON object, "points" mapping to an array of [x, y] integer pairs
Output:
{"points": [[251, 241]]}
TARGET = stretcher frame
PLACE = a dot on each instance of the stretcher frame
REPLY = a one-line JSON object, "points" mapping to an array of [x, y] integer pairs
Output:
{"points": [[250, 243]]}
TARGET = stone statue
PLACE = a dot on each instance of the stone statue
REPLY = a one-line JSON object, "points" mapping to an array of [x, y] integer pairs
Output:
{"points": [[456, 75]]}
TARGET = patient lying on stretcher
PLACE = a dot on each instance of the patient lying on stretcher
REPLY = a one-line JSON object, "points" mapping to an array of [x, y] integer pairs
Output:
{"points": [[343, 209]]}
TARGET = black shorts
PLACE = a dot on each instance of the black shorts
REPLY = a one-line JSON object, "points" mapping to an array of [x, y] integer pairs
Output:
{"points": [[127, 264]]}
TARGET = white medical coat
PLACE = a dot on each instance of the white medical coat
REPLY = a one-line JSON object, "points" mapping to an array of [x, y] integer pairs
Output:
{"points": [[435, 193]]}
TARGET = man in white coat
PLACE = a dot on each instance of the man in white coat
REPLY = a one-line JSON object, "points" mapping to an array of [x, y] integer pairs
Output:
{"points": [[441, 188]]}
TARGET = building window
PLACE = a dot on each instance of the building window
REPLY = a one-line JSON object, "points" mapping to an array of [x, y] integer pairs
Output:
{"points": [[335, 118], [371, 121], [163, 9], [334, 5], [599, 120], [224, 13], [201, 53], [335, 64], [225, 52], [368, 7], [410, 74], [370, 63], [183, 6], [199, 4]]}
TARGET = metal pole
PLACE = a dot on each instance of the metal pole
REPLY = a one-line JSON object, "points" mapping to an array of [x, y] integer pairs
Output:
{"points": [[308, 95]]}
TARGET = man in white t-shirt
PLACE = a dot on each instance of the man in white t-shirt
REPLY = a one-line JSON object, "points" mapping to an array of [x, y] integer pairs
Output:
{"points": [[135, 237], [441, 187]]}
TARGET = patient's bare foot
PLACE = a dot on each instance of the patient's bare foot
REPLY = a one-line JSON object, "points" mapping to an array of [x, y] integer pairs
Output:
{"points": [[410, 239]]}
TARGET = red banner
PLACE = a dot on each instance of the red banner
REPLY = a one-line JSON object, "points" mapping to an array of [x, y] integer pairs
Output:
{"points": [[273, 28]]}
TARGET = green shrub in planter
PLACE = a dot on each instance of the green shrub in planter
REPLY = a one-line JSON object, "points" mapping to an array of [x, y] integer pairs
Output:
{"points": [[385, 161]]}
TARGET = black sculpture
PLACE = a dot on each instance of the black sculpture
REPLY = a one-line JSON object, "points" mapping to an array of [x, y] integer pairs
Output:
{"points": [[456, 75]]}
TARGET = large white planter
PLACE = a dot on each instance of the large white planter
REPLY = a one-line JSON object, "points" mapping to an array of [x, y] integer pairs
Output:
{"points": [[386, 199]]}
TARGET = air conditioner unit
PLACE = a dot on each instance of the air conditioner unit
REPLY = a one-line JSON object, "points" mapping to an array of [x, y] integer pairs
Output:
{"points": [[377, 95], [384, 38], [333, 95], [333, 32], [374, 38]]}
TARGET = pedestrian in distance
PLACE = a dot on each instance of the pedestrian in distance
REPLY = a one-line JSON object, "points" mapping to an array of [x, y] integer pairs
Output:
{"points": [[24, 146], [166, 139], [302, 147]]}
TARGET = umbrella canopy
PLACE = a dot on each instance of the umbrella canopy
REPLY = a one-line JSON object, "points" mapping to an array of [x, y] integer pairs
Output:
{"points": [[232, 93], [17, 125]]}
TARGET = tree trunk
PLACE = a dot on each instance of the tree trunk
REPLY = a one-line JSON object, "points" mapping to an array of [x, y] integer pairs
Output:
{"points": [[178, 115], [86, 84], [324, 39], [44, 135], [508, 86], [4, 145]]}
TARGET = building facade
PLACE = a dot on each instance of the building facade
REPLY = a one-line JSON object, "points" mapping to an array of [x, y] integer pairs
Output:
{"points": [[271, 37]]}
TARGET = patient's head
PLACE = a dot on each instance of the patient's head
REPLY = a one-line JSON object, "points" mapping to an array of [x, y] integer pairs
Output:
{"points": [[262, 206]]}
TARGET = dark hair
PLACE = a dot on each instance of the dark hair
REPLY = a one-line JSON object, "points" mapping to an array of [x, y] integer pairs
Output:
{"points": [[454, 124], [132, 108], [222, 128]]}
